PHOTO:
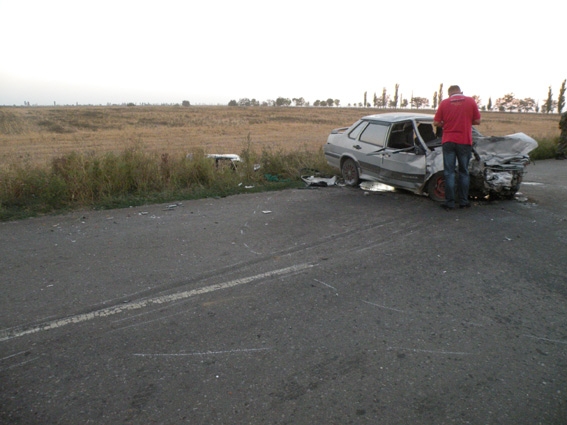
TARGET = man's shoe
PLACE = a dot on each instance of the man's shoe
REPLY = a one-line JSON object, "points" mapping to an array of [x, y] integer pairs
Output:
{"points": [[465, 206], [447, 207]]}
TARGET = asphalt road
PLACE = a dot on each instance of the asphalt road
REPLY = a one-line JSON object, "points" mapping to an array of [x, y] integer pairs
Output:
{"points": [[312, 306]]}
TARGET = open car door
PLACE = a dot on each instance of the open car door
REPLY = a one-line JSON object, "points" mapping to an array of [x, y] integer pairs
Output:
{"points": [[403, 160]]}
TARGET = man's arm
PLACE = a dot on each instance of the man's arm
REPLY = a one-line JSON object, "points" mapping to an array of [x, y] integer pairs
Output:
{"points": [[476, 114]]}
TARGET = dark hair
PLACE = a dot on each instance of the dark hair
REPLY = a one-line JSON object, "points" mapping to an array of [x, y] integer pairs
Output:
{"points": [[454, 89]]}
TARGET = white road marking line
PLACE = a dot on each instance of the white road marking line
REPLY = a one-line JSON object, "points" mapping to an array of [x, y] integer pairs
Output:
{"points": [[383, 306], [546, 339], [252, 251], [204, 353], [13, 355], [326, 284], [417, 350], [7, 334], [20, 364]]}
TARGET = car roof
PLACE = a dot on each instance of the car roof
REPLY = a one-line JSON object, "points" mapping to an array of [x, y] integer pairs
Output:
{"points": [[398, 116]]}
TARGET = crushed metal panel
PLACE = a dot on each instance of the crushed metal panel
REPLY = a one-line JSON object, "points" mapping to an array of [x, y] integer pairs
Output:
{"points": [[496, 150]]}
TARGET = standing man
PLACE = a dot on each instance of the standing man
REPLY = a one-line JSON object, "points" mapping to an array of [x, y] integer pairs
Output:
{"points": [[562, 146], [456, 115]]}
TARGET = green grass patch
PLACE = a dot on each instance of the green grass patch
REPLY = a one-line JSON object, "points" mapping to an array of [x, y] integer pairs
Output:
{"points": [[136, 177], [546, 149]]}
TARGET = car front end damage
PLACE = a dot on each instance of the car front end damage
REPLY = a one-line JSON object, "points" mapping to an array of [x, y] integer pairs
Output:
{"points": [[496, 169], [498, 166], [405, 152]]}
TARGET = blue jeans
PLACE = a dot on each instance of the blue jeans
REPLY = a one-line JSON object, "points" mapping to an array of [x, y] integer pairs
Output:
{"points": [[453, 153]]}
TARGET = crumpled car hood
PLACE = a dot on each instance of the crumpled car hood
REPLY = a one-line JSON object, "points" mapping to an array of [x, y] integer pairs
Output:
{"points": [[495, 150]]}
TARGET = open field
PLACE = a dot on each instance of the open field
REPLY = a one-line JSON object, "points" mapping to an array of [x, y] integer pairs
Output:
{"points": [[39, 134]]}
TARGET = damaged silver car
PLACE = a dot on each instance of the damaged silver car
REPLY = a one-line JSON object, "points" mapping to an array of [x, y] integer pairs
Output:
{"points": [[403, 150]]}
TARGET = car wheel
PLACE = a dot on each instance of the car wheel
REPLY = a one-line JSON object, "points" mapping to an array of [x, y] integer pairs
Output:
{"points": [[349, 171], [436, 187]]}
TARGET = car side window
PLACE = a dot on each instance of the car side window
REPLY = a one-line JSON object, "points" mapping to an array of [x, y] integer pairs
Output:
{"points": [[426, 132], [357, 130], [375, 134], [402, 136]]}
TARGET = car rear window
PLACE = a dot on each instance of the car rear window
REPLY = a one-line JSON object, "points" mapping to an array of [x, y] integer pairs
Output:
{"points": [[375, 134]]}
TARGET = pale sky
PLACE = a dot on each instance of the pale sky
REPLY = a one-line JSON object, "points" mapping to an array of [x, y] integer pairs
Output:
{"points": [[211, 52]]}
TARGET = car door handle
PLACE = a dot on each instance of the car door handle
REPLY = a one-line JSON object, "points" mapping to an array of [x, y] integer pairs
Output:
{"points": [[358, 147]]}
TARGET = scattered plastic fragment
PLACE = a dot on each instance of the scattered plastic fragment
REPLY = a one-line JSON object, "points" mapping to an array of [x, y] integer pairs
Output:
{"points": [[376, 187], [275, 178], [319, 181]]}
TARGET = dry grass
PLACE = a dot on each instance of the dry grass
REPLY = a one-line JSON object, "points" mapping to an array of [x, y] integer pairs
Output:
{"points": [[42, 133]]}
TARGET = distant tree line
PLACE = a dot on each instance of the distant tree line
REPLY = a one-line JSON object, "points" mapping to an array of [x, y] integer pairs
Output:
{"points": [[506, 103], [284, 101]]}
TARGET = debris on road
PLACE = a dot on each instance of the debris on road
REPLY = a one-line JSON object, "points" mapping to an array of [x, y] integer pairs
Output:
{"points": [[319, 181]]}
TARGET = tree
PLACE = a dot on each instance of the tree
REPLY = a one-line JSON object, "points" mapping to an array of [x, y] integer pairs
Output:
{"points": [[435, 100], [283, 101], [489, 104], [330, 102], [507, 103], [381, 102], [561, 98], [440, 94], [299, 101], [365, 99], [477, 100], [232, 103], [418, 102], [548, 105], [394, 101], [185, 103], [337, 102], [526, 105], [244, 102]]}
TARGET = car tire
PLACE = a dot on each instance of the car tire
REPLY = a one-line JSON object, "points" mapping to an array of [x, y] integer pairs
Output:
{"points": [[436, 187], [349, 170]]}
